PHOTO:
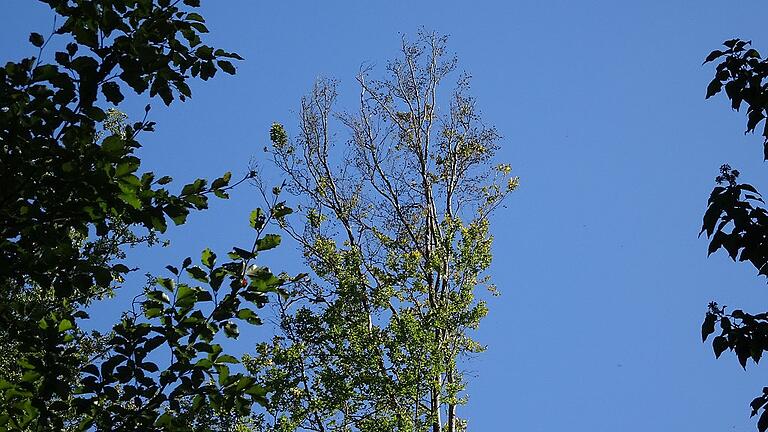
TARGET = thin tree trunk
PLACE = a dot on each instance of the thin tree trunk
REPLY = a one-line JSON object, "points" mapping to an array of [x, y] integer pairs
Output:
{"points": [[451, 406], [435, 407]]}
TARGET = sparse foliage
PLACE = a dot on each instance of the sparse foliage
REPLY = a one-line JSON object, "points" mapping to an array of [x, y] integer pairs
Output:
{"points": [[397, 235], [736, 219]]}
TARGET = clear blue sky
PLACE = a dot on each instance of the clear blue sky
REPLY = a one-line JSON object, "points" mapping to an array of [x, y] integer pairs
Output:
{"points": [[601, 104]]}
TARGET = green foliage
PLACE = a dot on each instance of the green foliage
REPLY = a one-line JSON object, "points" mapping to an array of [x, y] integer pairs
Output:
{"points": [[74, 196], [398, 238], [126, 391], [736, 219]]}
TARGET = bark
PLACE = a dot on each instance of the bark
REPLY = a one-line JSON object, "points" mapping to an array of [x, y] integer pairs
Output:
{"points": [[451, 406]]}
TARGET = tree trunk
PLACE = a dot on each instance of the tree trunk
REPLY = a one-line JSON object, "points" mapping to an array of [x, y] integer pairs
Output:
{"points": [[435, 408], [451, 406]]}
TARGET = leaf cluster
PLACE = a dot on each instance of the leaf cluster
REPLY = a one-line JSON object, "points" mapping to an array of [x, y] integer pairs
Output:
{"points": [[182, 319], [743, 73], [736, 219], [74, 195]]}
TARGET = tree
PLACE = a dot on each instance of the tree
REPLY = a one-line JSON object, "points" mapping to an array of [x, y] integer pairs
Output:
{"points": [[100, 251], [73, 196], [736, 219], [397, 235]]}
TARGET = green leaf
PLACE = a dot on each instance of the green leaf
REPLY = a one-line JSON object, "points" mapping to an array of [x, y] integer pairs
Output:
{"points": [[227, 359], [714, 88], [257, 219], [131, 199], [185, 293], [72, 48], [91, 369], [708, 327], [172, 269], [713, 55], [198, 274], [193, 188], [238, 253], [153, 312], [129, 166], [226, 66], [166, 283], [762, 422], [223, 371], [159, 295], [192, 16], [30, 376], [120, 268], [256, 390], [45, 73], [204, 296], [280, 210], [154, 342], [217, 278], [231, 330], [269, 241], [249, 316], [164, 420], [178, 214], [204, 363], [164, 180], [65, 325], [112, 92], [205, 52], [24, 363], [222, 181], [36, 39], [208, 258], [221, 53], [719, 344], [149, 367]]}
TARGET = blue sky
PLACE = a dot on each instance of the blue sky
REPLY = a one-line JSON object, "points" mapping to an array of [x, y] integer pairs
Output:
{"points": [[601, 105]]}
